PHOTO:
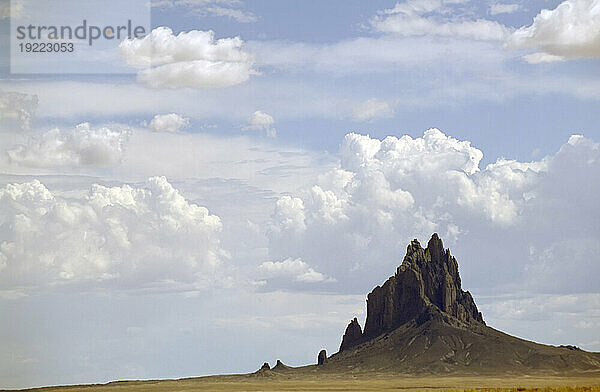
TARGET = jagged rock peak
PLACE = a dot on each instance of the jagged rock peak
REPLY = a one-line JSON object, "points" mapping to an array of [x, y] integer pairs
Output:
{"points": [[352, 336], [438, 270], [427, 284], [265, 366]]}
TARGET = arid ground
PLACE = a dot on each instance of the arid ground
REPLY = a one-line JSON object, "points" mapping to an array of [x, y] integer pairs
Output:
{"points": [[348, 383]]}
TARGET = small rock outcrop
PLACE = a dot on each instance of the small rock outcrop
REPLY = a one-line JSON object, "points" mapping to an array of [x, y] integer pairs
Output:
{"points": [[265, 366], [427, 284], [279, 366], [322, 357], [352, 336]]}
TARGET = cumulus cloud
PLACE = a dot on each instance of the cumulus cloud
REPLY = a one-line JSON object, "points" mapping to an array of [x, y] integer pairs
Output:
{"points": [[362, 213], [226, 8], [18, 107], [261, 121], [294, 269], [127, 236], [190, 59], [171, 122], [570, 31], [82, 146], [371, 109], [355, 222], [434, 17], [499, 8]]}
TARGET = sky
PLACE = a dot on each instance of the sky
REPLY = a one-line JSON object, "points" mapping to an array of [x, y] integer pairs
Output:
{"points": [[226, 189]]}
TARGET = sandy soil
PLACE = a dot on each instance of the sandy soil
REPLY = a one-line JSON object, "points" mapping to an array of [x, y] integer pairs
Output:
{"points": [[348, 383]]}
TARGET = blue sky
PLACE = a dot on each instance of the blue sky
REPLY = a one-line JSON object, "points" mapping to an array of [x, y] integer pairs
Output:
{"points": [[230, 186]]}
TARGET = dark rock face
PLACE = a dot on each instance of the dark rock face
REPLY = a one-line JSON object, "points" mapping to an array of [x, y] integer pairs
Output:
{"points": [[322, 357], [426, 285], [265, 366], [352, 336]]}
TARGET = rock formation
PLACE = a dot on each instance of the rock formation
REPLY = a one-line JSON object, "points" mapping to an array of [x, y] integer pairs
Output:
{"points": [[352, 336], [420, 321], [322, 357], [265, 366], [427, 284]]}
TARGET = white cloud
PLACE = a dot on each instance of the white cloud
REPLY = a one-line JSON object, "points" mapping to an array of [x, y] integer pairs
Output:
{"points": [[18, 107], [499, 8], [431, 17], [261, 121], [195, 74], [289, 215], [190, 59], [294, 269], [127, 236], [81, 146], [371, 109], [201, 8], [359, 215], [250, 160], [355, 222], [541, 57], [171, 122], [571, 30]]}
